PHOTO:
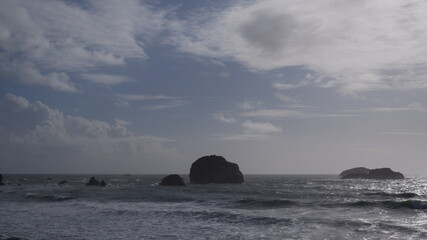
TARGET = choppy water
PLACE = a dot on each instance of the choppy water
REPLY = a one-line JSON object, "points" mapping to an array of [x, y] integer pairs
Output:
{"points": [[264, 207]]}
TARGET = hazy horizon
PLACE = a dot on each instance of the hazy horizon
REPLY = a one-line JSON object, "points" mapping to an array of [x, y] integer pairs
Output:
{"points": [[276, 86]]}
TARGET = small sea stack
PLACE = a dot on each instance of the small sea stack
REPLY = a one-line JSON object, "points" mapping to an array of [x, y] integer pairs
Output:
{"points": [[172, 180], [62, 182], [378, 173], [1, 180], [215, 169], [94, 182]]}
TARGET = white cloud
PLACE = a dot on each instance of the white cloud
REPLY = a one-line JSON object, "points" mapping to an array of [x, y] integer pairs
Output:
{"points": [[413, 107], [352, 45], [285, 98], [275, 113], [170, 104], [217, 63], [140, 97], [293, 114], [49, 39], [253, 131], [248, 105], [105, 78], [288, 86], [245, 137], [37, 138], [162, 101], [220, 117], [260, 128]]}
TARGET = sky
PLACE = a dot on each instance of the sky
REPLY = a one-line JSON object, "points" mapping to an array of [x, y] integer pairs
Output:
{"points": [[276, 86]]}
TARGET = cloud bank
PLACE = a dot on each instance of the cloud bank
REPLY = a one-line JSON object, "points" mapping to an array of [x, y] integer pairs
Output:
{"points": [[351, 45], [37, 138]]}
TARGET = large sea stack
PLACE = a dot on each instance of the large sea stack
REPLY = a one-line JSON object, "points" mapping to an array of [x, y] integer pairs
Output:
{"points": [[214, 169], [378, 173], [1, 180]]}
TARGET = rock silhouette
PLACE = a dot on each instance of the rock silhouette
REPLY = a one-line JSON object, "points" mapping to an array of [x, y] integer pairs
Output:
{"points": [[62, 182], [1, 180], [378, 173], [358, 170], [172, 180], [215, 169], [94, 182]]}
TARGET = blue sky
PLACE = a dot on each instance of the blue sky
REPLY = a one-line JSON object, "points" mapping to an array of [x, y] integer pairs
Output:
{"points": [[150, 86]]}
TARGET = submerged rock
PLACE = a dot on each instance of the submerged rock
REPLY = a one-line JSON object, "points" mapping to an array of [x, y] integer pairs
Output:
{"points": [[172, 180], [6, 237], [215, 169], [62, 182], [94, 182], [378, 173]]}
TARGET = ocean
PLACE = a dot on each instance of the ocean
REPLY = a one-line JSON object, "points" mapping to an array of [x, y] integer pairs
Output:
{"points": [[264, 207]]}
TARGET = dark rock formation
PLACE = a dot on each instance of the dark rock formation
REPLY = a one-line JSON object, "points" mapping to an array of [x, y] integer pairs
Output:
{"points": [[172, 180], [6, 237], [94, 182], [1, 180], [358, 170], [385, 173], [62, 182], [214, 169], [379, 173]]}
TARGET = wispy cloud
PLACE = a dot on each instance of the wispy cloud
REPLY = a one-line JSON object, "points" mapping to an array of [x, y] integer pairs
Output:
{"points": [[140, 97], [220, 117], [248, 104], [285, 98], [275, 113], [293, 114], [413, 107], [170, 104], [253, 131], [245, 137], [405, 133], [288, 86], [105, 78], [157, 101], [260, 128]]}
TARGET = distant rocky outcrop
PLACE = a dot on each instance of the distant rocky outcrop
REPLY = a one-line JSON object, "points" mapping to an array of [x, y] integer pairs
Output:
{"points": [[94, 182], [215, 169], [385, 173], [358, 170], [378, 173], [172, 180], [1, 180]]}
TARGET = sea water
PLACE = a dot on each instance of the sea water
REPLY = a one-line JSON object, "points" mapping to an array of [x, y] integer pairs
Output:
{"points": [[264, 207]]}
